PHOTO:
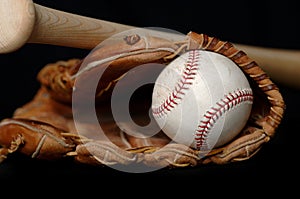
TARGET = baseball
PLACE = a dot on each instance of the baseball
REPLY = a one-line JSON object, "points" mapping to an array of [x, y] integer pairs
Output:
{"points": [[201, 99]]}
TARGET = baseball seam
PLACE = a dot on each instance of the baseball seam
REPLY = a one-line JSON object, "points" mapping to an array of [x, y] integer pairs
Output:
{"points": [[211, 116], [183, 84]]}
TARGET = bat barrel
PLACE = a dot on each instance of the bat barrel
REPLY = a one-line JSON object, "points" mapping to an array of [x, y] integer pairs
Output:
{"points": [[17, 22]]}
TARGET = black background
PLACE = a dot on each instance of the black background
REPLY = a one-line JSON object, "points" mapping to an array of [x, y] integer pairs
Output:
{"points": [[261, 23]]}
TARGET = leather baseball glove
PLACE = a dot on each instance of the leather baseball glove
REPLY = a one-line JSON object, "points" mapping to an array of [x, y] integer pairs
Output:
{"points": [[45, 127]]}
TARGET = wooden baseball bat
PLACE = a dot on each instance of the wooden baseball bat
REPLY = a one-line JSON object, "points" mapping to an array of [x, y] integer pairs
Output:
{"points": [[23, 21]]}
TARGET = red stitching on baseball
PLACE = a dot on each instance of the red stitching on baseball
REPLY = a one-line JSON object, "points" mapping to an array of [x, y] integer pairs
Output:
{"points": [[189, 74], [211, 116]]}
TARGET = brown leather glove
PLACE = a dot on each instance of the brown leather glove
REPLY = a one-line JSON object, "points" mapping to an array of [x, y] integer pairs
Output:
{"points": [[45, 127]]}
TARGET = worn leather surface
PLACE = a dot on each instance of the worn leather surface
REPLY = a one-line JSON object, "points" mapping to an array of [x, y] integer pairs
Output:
{"points": [[44, 128]]}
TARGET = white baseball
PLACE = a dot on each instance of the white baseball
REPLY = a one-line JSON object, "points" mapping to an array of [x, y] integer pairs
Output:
{"points": [[202, 99]]}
